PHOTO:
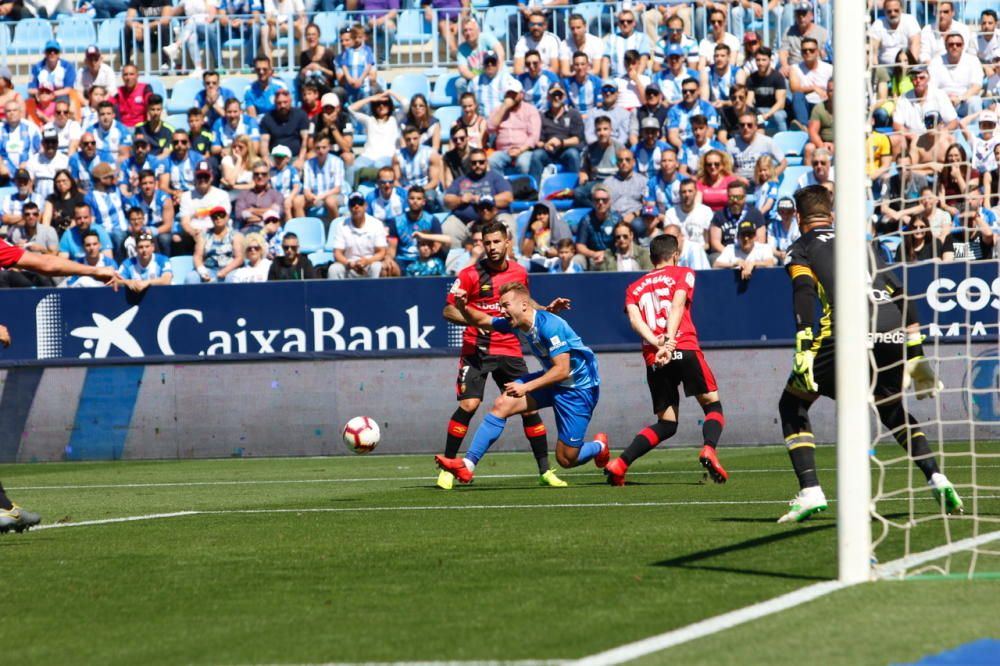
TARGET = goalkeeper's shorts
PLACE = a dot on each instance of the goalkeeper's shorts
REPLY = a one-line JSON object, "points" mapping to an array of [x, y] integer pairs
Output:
{"points": [[887, 364]]}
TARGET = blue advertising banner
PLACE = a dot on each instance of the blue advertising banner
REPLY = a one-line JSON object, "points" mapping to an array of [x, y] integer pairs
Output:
{"points": [[403, 316]]}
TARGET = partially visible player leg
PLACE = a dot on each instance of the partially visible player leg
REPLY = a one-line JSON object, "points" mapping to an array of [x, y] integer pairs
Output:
{"points": [[711, 432], [511, 369], [488, 432], [793, 408], [663, 382], [573, 410], [470, 386], [13, 517]]}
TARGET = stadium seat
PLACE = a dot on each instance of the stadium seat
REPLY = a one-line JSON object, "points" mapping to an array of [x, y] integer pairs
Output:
{"points": [[182, 95], [573, 216], [4, 38], [974, 9], [329, 24], [556, 183], [496, 20], [30, 34], [177, 121], [289, 79], [408, 85], [517, 206], [22, 90], [182, 265], [76, 33], [109, 35], [321, 257], [410, 28], [447, 116], [792, 145], [156, 84], [520, 225], [238, 84], [445, 91], [591, 11], [310, 233], [789, 180]]}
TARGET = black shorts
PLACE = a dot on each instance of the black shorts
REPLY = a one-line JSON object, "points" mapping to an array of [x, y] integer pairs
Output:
{"points": [[687, 367], [475, 368], [887, 370]]}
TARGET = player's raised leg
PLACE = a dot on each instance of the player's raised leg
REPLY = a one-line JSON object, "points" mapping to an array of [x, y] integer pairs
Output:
{"points": [[13, 517]]}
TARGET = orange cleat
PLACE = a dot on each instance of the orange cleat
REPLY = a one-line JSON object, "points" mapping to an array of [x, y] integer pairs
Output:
{"points": [[711, 463], [601, 459], [456, 466], [615, 472]]}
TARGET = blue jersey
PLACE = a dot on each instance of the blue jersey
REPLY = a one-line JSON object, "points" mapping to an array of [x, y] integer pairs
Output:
{"points": [[158, 265], [551, 336]]}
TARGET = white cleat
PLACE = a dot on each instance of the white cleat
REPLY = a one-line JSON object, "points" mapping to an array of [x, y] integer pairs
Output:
{"points": [[805, 504]]}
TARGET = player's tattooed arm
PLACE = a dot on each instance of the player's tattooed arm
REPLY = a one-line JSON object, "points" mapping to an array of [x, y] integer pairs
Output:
{"points": [[556, 306], [4, 336], [470, 317]]}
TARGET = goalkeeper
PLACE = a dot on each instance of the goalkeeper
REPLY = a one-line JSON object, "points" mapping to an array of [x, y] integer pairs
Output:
{"points": [[896, 348]]}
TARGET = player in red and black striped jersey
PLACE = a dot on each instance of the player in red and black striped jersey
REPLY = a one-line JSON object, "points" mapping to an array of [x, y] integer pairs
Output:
{"points": [[659, 310], [13, 517], [486, 353]]}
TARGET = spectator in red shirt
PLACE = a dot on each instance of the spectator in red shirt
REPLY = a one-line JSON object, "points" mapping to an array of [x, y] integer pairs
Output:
{"points": [[715, 172], [132, 97]]}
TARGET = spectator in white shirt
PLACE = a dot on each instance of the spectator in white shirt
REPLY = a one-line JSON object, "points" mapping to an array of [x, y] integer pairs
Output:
{"points": [[932, 37], [537, 38], [692, 253], [690, 215], [717, 35], [579, 40], [891, 33], [96, 72], [745, 254], [959, 75], [359, 243], [914, 105], [987, 46]]}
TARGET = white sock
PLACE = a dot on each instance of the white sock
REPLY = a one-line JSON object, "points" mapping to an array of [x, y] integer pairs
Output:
{"points": [[469, 464]]}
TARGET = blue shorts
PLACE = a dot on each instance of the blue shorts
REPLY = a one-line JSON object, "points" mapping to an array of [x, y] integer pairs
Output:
{"points": [[573, 408]]}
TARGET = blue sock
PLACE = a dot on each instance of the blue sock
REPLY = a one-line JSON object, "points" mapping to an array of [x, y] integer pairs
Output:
{"points": [[488, 432], [588, 451]]}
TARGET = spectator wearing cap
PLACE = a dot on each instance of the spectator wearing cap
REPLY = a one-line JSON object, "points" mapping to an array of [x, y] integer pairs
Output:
{"points": [[218, 251], [68, 130], [582, 87], [987, 44], [933, 36], [108, 205], [541, 41], [53, 70], [491, 85], [561, 136], [672, 35], [804, 27], [746, 252], [417, 163], [536, 81], [628, 190], [337, 124], [734, 216], [256, 204], [359, 243], [7, 91], [914, 106], [808, 81], [12, 205], [599, 161], [516, 127], [132, 96], [701, 142], [154, 129], [158, 208], [286, 126], [147, 267], [322, 181], [745, 13], [767, 85], [96, 72], [467, 196], [286, 179], [632, 83], [650, 147], [233, 123], [981, 147], [893, 31], [621, 119], [627, 38], [355, 65], [196, 203], [665, 180], [784, 231], [579, 40], [84, 160], [671, 78], [180, 165], [383, 131], [679, 118], [717, 34], [751, 44], [407, 230], [958, 74], [749, 145], [718, 80], [594, 236], [475, 47], [44, 164], [261, 96], [111, 134], [19, 140], [140, 160]]}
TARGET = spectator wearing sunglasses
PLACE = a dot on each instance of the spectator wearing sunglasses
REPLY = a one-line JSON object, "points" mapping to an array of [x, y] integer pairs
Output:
{"points": [[260, 202], [540, 41], [561, 138], [627, 38]]}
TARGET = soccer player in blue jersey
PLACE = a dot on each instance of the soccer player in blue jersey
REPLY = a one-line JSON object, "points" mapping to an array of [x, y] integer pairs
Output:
{"points": [[569, 383]]}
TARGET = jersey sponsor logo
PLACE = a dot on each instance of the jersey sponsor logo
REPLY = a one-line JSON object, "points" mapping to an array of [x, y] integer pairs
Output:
{"points": [[896, 337], [554, 341]]}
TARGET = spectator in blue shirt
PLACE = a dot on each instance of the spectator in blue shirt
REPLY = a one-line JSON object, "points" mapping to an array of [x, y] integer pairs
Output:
{"points": [[54, 70], [406, 231], [71, 243], [595, 236], [259, 96], [213, 97]]}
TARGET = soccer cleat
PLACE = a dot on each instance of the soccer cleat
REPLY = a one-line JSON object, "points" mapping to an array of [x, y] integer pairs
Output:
{"points": [[445, 480], [601, 459], [711, 463], [615, 472], [805, 504], [456, 466], [944, 492], [17, 519], [550, 479]]}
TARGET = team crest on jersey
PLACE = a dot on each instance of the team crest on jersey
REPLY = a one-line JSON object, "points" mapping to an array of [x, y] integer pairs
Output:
{"points": [[484, 288]]}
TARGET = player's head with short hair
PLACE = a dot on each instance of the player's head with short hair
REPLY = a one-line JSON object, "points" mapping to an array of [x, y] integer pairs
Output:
{"points": [[814, 205], [494, 227], [516, 302], [663, 250]]}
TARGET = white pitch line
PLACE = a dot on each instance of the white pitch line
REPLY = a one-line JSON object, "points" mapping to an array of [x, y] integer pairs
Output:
{"points": [[523, 662], [108, 521], [898, 567]]}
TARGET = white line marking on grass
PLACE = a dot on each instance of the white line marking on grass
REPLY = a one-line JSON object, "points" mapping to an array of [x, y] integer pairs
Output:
{"points": [[897, 568], [109, 521], [524, 662]]}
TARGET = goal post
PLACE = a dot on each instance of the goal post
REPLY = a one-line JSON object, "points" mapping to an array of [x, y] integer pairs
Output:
{"points": [[851, 299]]}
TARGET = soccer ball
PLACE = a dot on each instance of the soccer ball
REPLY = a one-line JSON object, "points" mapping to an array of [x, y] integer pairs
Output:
{"points": [[361, 434]]}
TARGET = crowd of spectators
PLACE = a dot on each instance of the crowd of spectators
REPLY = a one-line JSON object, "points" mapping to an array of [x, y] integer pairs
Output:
{"points": [[667, 124]]}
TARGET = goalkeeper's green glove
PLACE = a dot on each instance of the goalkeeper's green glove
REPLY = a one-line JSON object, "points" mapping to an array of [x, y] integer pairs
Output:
{"points": [[919, 371], [802, 366]]}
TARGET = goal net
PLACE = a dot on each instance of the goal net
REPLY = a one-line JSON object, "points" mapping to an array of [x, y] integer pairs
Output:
{"points": [[933, 217]]}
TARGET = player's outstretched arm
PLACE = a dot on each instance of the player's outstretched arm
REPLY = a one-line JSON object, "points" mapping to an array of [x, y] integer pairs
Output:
{"points": [[559, 371], [4, 336], [556, 306], [55, 265], [466, 315]]}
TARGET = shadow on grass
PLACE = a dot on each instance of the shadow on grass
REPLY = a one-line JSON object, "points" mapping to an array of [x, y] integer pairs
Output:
{"points": [[695, 560]]}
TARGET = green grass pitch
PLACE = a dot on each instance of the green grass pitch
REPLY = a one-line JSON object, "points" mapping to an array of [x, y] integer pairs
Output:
{"points": [[361, 559]]}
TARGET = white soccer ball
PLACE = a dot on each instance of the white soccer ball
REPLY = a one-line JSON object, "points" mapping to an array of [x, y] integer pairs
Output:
{"points": [[361, 434]]}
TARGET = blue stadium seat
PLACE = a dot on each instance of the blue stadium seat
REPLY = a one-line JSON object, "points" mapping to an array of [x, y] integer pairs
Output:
{"points": [[410, 28], [520, 225], [289, 78], [445, 90], [329, 24], [310, 233], [238, 84], [408, 85], [321, 257], [182, 95], [496, 20], [559, 181], [447, 116], [792, 145], [573, 216], [789, 180], [76, 33], [29, 35], [4, 38], [156, 84], [177, 121], [182, 264], [109, 35]]}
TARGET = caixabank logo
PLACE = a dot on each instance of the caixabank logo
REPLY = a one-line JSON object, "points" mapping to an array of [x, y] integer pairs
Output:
{"points": [[132, 332]]}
